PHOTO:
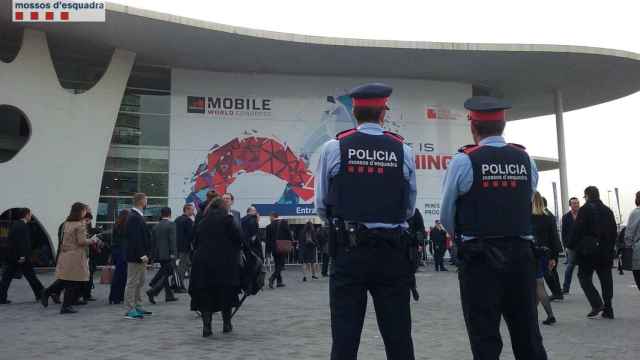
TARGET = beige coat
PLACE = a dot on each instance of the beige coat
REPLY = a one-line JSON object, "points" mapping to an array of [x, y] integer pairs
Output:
{"points": [[73, 264]]}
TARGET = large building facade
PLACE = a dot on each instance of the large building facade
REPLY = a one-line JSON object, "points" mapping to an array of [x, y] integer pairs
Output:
{"points": [[94, 113]]}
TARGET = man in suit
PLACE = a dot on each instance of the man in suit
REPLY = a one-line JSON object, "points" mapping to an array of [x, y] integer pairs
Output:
{"points": [[277, 230], [164, 235], [229, 200], [568, 220], [184, 240], [19, 257], [138, 253]]}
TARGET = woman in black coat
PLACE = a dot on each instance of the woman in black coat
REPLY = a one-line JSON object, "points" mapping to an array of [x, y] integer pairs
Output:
{"points": [[215, 271], [548, 246]]}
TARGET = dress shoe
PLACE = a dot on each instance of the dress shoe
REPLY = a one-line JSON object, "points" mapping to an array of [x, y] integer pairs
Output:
{"points": [[151, 299], [314, 277], [5, 302], [607, 313], [550, 321], [68, 310], [556, 297], [281, 285], [594, 313]]}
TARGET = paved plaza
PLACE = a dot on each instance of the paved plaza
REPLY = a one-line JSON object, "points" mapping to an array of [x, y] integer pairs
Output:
{"points": [[293, 323]]}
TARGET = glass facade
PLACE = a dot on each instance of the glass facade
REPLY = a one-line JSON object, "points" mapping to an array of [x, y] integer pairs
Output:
{"points": [[14, 132], [138, 159]]}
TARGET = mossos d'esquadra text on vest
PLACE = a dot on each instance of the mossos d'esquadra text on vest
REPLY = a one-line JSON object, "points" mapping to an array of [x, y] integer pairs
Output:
{"points": [[504, 172], [372, 157]]}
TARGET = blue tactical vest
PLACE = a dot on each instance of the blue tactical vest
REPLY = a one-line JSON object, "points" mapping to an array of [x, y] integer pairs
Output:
{"points": [[499, 201], [370, 185]]}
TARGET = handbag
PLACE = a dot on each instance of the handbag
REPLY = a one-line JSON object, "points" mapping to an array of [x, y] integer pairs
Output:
{"points": [[283, 246], [107, 275]]}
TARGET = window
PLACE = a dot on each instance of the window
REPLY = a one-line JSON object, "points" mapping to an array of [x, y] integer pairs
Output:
{"points": [[138, 159], [10, 42], [14, 132]]}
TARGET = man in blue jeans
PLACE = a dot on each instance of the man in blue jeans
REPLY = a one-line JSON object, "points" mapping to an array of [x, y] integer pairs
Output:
{"points": [[568, 221]]}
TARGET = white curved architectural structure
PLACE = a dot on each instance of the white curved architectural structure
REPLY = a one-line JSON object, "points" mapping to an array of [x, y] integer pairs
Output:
{"points": [[242, 110]]}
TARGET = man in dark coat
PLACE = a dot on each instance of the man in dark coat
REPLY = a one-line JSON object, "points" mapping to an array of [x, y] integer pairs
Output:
{"points": [[250, 225], [438, 237], [164, 236], [19, 257], [568, 220], [593, 239], [277, 230], [184, 240]]}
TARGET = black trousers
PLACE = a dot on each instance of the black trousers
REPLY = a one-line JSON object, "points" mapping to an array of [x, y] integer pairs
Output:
{"points": [[85, 291], [161, 280], [11, 270], [278, 261], [553, 280], [325, 264], [382, 268], [438, 256], [497, 279], [72, 290], [585, 275]]}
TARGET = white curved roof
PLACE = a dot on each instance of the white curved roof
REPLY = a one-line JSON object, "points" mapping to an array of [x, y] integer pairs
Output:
{"points": [[524, 74]]}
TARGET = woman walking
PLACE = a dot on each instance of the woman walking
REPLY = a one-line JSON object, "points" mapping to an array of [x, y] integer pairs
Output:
{"points": [[309, 245], [548, 247], [119, 259], [632, 239], [73, 265], [215, 271]]}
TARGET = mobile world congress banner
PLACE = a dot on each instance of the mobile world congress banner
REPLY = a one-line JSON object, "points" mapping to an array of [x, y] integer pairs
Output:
{"points": [[259, 136]]}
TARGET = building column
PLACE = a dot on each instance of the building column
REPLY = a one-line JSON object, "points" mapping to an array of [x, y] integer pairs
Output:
{"points": [[562, 155]]}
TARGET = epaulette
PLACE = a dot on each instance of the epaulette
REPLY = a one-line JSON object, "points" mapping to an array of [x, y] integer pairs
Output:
{"points": [[518, 146], [394, 136], [344, 134], [468, 149]]}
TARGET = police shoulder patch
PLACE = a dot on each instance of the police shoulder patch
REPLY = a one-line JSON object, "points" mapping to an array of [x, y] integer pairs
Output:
{"points": [[468, 149], [394, 136], [344, 134], [517, 146]]}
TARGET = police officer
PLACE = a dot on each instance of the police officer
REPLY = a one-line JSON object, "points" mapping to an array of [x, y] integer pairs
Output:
{"points": [[486, 201], [366, 189]]}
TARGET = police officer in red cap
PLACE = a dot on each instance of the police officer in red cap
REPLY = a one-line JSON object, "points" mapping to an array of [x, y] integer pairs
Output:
{"points": [[366, 189], [487, 194]]}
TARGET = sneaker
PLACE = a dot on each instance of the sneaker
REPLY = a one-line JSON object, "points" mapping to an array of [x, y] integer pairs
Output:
{"points": [[143, 311], [133, 315]]}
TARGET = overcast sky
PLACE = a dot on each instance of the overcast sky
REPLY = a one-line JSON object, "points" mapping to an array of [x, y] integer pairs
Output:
{"points": [[599, 139]]}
